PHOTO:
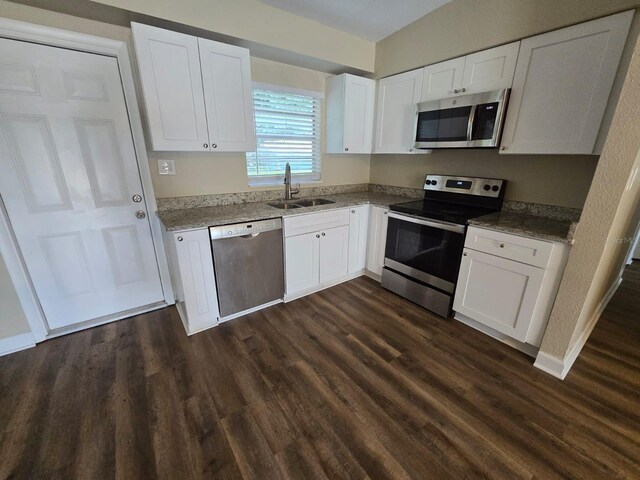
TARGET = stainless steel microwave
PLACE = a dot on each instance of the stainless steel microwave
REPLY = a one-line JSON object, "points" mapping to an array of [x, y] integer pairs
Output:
{"points": [[467, 121]]}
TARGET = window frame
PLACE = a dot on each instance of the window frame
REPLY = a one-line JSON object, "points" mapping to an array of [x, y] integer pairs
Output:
{"points": [[303, 178]]}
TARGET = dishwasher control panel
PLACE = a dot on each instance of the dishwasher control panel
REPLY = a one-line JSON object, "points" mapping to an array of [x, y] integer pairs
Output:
{"points": [[248, 228]]}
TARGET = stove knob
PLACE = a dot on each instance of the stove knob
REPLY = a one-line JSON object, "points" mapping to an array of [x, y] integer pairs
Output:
{"points": [[434, 182], [495, 188], [487, 187], [428, 182]]}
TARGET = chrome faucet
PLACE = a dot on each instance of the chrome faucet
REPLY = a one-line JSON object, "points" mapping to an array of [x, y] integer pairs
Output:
{"points": [[288, 193]]}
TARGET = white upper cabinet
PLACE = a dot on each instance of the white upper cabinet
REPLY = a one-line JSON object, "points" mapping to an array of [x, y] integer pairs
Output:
{"points": [[442, 80], [226, 78], [491, 69], [169, 67], [396, 112], [350, 104], [561, 87], [479, 72], [197, 92]]}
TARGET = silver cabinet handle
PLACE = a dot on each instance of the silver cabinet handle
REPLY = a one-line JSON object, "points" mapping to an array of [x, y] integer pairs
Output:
{"points": [[180, 239], [137, 198], [462, 90], [140, 214], [205, 145], [323, 234]]}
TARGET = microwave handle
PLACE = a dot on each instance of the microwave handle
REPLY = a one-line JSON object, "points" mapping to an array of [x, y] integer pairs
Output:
{"points": [[472, 118]]}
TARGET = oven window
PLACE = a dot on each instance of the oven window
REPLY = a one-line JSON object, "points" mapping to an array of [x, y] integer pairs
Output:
{"points": [[430, 250], [449, 125]]}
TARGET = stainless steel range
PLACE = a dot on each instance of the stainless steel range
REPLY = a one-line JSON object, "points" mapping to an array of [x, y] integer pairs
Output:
{"points": [[425, 238]]}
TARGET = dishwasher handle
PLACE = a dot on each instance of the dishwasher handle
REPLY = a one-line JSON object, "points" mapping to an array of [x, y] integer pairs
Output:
{"points": [[246, 229]]}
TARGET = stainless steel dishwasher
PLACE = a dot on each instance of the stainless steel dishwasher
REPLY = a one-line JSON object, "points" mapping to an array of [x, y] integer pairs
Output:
{"points": [[248, 263]]}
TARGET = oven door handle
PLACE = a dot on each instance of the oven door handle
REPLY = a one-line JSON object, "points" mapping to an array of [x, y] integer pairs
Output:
{"points": [[452, 227]]}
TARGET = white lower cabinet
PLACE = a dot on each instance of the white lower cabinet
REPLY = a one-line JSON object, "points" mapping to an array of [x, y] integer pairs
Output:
{"points": [[508, 284], [325, 248], [377, 239], [193, 278], [358, 233]]}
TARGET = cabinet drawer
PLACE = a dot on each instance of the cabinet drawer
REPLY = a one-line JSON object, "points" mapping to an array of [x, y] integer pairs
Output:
{"points": [[313, 222], [521, 249]]}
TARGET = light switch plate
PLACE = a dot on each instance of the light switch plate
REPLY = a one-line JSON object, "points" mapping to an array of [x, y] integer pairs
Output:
{"points": [[166, 167]]}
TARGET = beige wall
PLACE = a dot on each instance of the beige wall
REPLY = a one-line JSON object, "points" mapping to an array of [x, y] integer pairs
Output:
{"points": [[12, 319], [485, 23], [549, 179], [258, 22], [610, 215], [204, 173]]}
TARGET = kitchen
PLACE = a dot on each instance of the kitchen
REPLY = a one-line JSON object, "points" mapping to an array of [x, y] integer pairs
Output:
{"points": [[451, 186]]}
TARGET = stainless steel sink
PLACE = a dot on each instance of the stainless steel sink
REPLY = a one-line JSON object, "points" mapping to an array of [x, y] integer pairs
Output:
{"points": [[312, 202], [284, 206]]}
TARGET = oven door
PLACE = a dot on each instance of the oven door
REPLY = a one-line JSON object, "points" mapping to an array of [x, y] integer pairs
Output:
{"points": [[427, 250]]}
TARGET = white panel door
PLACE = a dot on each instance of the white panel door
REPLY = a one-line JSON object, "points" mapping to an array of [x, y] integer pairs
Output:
{"points": [[302, 260], [442, 80], [195, 266], [226, 78], [377, 239], [398, 97], [334, 254], [359, 101], [169, 66], [358, 232], [491, 69], [69, 173], [561, 87], [499, 293]]}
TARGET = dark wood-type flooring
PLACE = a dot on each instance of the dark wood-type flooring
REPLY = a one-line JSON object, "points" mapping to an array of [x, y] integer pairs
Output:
{"points": [[351, 382]]}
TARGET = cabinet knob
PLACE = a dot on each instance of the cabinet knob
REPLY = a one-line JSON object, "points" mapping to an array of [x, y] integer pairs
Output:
{"points": [[411, 150], [318, 236], [214, 145], [503, 148], [180, 239], [140, 214], [386, 213], [353, 211], [502, 245], [346, 149], [205, 145], [323, 234], [137, 198], [464, 254]]}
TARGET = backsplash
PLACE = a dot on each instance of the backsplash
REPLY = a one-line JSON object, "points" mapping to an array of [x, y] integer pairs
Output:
{"points": [[540, 210]]}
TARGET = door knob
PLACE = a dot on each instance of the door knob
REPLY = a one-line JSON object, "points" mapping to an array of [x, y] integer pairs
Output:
{"points": [[137, 198], [140, 214]]}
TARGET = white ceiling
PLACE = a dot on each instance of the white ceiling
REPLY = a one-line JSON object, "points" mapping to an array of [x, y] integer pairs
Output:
{"points": [[369, 19]]}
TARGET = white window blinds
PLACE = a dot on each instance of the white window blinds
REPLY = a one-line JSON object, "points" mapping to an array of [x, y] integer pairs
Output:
{"points": [[287, 130]]}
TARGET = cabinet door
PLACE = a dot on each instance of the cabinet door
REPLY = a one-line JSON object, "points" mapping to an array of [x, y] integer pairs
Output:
{"points": [[359, 99], [499, 293], [195, 265], [302, 259], [358, 231], [561, 87], [396, 112], [226, 77], [442, 79], [169, 67], [377, 239], [334, 254], [491, 69]]}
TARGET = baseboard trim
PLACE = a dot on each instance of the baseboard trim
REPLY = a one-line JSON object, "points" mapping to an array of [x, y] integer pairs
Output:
{"points": [[560, 367], [304, 293], [16, 343]]}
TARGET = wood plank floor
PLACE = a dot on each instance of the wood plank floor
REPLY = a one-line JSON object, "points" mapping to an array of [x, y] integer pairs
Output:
{"points": [[352, 382]]}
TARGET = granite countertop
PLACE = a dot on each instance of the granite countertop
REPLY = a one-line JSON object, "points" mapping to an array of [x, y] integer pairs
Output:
{"points": [[202, 217], [534, 226]]}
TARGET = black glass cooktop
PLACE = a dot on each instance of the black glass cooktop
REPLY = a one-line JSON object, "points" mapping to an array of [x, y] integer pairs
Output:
{"points": [[448, 212]]}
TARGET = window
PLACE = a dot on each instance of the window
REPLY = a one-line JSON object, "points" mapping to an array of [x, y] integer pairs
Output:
{"points": [[287, 130]]}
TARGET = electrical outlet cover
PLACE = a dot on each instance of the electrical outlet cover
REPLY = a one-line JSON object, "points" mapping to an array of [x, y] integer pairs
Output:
{"points": [[166, 167]]}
